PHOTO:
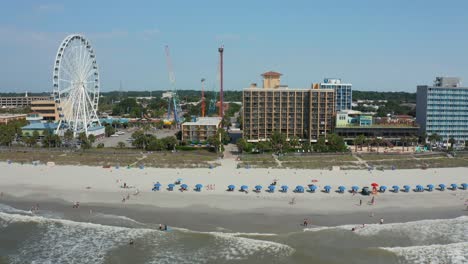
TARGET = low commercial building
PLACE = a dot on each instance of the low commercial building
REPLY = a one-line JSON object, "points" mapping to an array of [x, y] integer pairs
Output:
{"points": [[6, 118], [200, 130], [351, 124], [46, 108]]}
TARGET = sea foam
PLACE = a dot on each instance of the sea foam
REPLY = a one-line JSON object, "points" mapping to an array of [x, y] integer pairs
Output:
{"points": [[65, 241], [455, 253]]}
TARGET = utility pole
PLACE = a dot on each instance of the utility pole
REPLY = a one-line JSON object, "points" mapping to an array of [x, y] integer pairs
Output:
{"points": [[221, 94]]}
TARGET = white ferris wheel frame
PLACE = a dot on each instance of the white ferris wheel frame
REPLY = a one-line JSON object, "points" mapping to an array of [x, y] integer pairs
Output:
{"points": [[76, 84]]}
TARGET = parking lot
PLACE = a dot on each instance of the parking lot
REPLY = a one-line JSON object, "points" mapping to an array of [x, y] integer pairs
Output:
{"points": [[127, 134]]}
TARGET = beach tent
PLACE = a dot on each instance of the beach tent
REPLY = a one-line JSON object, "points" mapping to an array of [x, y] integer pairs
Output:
{"points": [[170, 187], [375, 185], [396, 188], [442, 187], [464, 186], [430, 187], [407, 188], [271, 188], [231, 188], [312, 188], [299, 189], [383, 188], [419, 188], [244, 188], [327, 188], [454, 186], [341, 189], [258, 188], [156, 186], [355, 188], [184, 186], [284, 188], [198, 187]]}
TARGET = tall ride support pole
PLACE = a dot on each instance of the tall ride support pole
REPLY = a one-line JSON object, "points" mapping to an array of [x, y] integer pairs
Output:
{"points": [[221, 94]]}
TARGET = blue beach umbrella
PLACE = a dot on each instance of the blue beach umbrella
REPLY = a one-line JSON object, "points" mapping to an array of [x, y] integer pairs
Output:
{"points": [[157, 186], [258, 188], [442, 186], [355, 188], [299, 189], [383, 188], [170, 186], [198, 187], [341, 189], [327, 188], [184, 186], [395, 188], [244, 188], [454, 186], [407, 188], [419, 188], [464, 186], [231, 187], [430, 187], [312, 188], [284, 188], [271, 188]]}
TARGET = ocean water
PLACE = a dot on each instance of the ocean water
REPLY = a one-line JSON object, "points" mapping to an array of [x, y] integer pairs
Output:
{"points": [[49, 238]]}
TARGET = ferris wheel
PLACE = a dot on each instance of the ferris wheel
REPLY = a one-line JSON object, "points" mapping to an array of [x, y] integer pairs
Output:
{"points": [[76, 84]]}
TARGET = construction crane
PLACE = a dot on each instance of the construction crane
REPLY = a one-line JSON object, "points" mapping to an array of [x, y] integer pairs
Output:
{"points": [[203, 97], [173, 98]]}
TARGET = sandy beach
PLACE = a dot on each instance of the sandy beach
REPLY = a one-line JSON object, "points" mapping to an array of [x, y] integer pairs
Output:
{"points": [[94, 185]]}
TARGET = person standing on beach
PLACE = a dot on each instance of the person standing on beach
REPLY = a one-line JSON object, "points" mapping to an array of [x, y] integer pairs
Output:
{"points": [[373, 200], [305, 222], [360, 202], [381, 221]]}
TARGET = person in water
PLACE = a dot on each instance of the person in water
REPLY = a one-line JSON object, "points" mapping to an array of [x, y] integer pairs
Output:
{"points": [[165, 227], [131, 242]]}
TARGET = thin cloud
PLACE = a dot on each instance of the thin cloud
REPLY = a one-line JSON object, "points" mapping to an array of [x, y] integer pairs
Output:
{"points": [[149, 33], [228, 37], [107, 35], [50, 8]]}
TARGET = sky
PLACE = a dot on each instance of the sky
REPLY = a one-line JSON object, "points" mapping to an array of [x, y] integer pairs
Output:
{"points": [[390, 45]]}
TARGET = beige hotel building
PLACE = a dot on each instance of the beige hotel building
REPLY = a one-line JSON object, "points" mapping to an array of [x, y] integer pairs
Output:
{"points": [[305, 113]]}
